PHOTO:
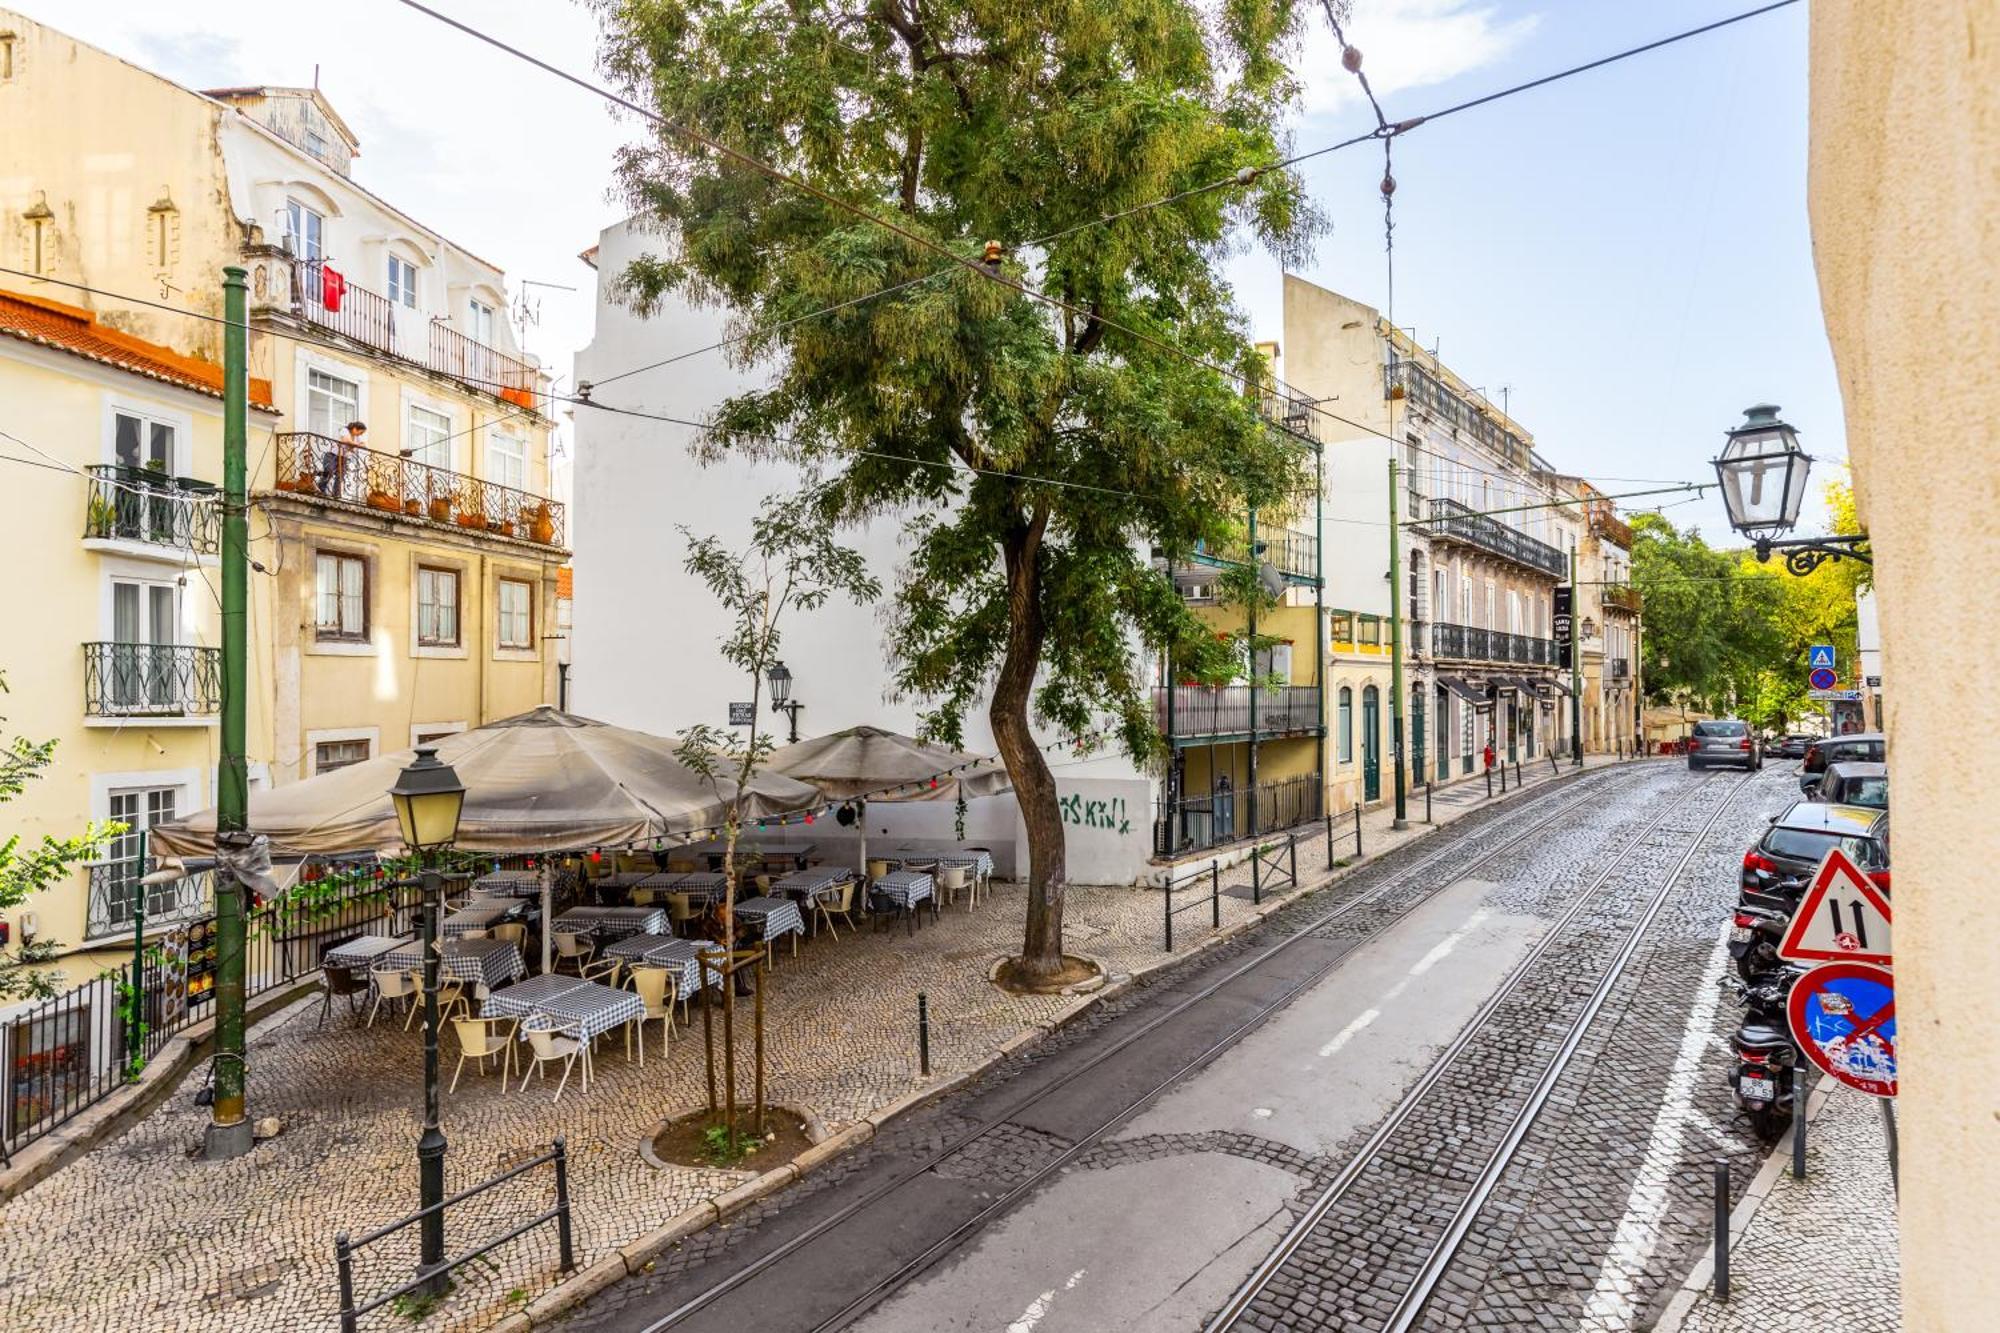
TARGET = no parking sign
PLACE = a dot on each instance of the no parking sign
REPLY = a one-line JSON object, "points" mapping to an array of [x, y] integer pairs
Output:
{"points": [[1843, 1016]]}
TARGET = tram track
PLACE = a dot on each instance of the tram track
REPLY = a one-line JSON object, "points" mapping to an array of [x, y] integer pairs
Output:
{"points": [[1476, 846], [1433, 1264]]}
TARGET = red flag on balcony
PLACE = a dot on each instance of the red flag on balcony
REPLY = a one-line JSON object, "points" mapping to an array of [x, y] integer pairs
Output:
{"points": [[331, 288]]}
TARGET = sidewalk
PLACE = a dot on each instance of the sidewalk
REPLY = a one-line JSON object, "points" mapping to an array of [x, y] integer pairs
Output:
{"points": [[1808, 1255]]}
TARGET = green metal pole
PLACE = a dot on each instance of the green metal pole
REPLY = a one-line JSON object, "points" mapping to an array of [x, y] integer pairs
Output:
{"points": [[229, 1124], [1396, 641], [1319, 616], [1256, 592], [134, 1046], [1575, 672]]}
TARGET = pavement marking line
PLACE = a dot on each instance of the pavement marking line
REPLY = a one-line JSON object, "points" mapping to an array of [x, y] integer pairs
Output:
{"points": [[1038, 1308], [1611, 1308], [1347, 1034], [1438, 953]]}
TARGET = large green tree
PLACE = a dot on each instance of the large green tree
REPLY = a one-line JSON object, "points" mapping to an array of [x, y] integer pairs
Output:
{"points": [[1036, 456]]}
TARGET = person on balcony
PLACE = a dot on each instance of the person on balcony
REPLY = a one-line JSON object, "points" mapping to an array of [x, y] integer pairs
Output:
{"points": [[333, 462]]}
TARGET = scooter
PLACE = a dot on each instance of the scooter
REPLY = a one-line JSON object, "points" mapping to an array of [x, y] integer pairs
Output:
{"points": [[1760, 1077], [1759, 926]]}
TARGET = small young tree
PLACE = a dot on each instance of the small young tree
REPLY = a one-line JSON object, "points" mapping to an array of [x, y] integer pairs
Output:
{"points": [[26, 871], [792, 563]]}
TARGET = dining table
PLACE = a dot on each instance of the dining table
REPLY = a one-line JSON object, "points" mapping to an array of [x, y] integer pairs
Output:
{"points": [[479, 915], [509, 884], [485, 962], [680, 957], [907, 889], [612, 923], [360, 953], [589, 1009]]}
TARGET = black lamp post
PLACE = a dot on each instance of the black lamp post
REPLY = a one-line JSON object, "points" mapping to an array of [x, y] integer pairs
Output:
{"points": [[1763, 473], [780, 678], [429, 798]]}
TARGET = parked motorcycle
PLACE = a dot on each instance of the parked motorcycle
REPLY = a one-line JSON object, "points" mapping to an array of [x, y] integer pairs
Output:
{"points": [[1760, 1077], [1759, 925]]}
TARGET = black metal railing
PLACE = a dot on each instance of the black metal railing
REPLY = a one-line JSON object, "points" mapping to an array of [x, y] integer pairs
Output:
{"points": [[142, 505], [473, 362], [1610, 527], [151, 680], [1205, 884], [1618, 668], [1470, 643], [1293, 553], [1423, 389], [64, 1054], [1286, 408], [1214, 819], [320, 466], [1204, 711], [115, 891], [1623, 597], [364, 316], [1451, 521]]}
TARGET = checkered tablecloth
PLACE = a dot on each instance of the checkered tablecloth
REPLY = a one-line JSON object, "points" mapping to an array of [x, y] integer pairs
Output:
{"points": [[777, 916], [584, 1008], [361, 951], [623, 879], [680, 957], [979, 863], [906, 887], [702, 884], [613, 923], [509, 884], [491, 962], [810, 883], [478, 914]]}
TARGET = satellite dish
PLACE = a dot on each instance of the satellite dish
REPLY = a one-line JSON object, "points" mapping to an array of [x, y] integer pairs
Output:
{"points": [[1273, 581]]}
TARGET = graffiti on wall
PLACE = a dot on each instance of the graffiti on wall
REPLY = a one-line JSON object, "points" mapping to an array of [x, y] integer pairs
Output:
{"points": [[1086, 812]]}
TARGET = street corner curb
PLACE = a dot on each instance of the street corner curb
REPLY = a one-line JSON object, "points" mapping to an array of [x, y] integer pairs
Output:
{"points": [[908, 1101], [834, 1145], [513, 1323], [1015, 1044], [734, 1201], [576, 1290], [655, 1243]]}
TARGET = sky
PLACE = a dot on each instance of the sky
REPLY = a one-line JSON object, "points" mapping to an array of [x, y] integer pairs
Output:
{"points": [[1626, 251]]}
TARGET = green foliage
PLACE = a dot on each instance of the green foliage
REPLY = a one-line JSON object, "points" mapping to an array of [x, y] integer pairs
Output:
{"points": [[25, 871], [721, 1147], [1036, 458]]}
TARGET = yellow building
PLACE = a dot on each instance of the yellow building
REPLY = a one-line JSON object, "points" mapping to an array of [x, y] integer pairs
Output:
{"points": [[404, 546]]}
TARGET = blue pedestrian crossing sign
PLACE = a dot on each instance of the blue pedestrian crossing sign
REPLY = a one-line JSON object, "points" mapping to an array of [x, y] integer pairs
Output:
{"points": [[1821, 655]]}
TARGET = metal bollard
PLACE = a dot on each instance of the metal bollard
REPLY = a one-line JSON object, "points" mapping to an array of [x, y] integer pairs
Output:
{"points": [[1215, 894], [1503, 777], [1798, 1122], [1167, 905], [343, 1258], [1427, 801], [1722, 1230], [1517, 772], [1292, 850], [1357, 833], [1329, 840], [1489, 783], [564, 1241], [924, 1033]]}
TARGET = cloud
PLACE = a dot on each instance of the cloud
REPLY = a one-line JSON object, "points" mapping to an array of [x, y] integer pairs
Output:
{"points": [[1405, 44]]}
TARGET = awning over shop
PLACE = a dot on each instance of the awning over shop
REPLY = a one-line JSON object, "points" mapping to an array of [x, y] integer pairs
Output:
{"points": [[1554, 686], [1465, 690]]}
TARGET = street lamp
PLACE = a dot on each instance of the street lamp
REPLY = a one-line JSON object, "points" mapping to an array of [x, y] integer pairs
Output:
{"points": [[1762, 472], [780, 678], [429, 799]]}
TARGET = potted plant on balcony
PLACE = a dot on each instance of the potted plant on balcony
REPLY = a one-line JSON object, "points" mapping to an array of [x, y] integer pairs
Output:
{"points": [[381, 499], [413, 506], [503, 526], [541, 524], [471, 518], [440, 509]]}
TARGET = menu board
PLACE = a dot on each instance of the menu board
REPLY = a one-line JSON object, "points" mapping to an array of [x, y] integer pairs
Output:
{"points": [[198, 961]]}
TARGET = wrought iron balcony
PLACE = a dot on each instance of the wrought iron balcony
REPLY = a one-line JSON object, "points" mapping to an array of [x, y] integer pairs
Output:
{"points": [[1204, 713], [1609, 527], [1286, 408], [1471, 644], [141, 505], [114, 897], [1292, 553], [372, 319], [1452, 521], [151, 680], [1618, 668], [1410, 381], [319, 467], [1623, 597]]}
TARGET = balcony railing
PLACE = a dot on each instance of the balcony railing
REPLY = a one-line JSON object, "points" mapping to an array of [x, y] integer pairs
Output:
{"points": [[1608, 526], [1286, 408], [1410, 381], [1452, 521], [142, 505], [1202, 712], [1196, 823], [372, 319], [151, 680], [1618, 668], [1623, 597], [1472, 644], [114, 896], [1292, 553], [318, 466]]}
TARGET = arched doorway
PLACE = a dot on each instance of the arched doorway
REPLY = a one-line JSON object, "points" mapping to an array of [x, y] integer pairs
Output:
{"points": [[1371, 744]]}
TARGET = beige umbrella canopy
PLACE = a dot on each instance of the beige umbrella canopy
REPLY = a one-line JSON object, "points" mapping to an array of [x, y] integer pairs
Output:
{"points": [[888, 766], [541, 781]]}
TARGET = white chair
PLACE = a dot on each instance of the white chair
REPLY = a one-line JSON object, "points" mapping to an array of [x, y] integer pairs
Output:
{"points": [[655, 988], [480, 1039], [547, 1044], [835, 901], [949, 881], [572, 947], [392, 983]]}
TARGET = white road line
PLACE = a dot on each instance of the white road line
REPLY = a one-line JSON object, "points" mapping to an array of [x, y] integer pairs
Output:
{"points": [[1038, 1309], [1438, 953], [1346, 1034], [1611, 1308], [1446, 945]]}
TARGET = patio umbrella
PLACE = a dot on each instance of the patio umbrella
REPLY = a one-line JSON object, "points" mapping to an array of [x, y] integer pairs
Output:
{"points": [[869, 764], [541, 781]]}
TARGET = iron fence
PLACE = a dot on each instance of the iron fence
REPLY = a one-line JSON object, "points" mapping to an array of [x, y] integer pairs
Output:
{"points": [[1470, 643], [116, 896], [151, 680], [331, 469], [1206, 883], [1197, 823], [1201, 710], [141, 505], [68, 1052]]}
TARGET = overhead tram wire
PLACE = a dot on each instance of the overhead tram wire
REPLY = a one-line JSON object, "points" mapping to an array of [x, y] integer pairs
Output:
{"points": [[940, 248]]}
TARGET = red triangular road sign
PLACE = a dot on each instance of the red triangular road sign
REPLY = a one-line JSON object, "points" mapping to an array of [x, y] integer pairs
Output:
{"points": [[1843, 917]]}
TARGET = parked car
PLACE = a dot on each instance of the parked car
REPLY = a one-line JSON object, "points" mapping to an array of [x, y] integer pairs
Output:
{"points": [[1724, 741], [1863, 747], [1799, 839], [1793, 746], [1854, 784]]}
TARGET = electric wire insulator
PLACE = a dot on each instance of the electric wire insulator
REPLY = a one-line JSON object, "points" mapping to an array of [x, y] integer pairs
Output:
{"points": [[1350, 59]]}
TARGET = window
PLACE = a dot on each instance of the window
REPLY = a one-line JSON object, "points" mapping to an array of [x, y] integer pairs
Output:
{"points": [[331, 402], [437, 607], [1342, 626], [1273, 664], [304, 231], [431, 736], [315, 144], [1371, 631], [427, 437], [517, 617], [1346, 725], [342, 602], [507, 461], [402, 282], [7, 40], [329, 755], [482, 322], [142, 442]]}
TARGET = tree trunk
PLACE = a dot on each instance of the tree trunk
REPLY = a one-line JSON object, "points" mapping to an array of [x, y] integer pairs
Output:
{"points": [[1034, 784]]}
